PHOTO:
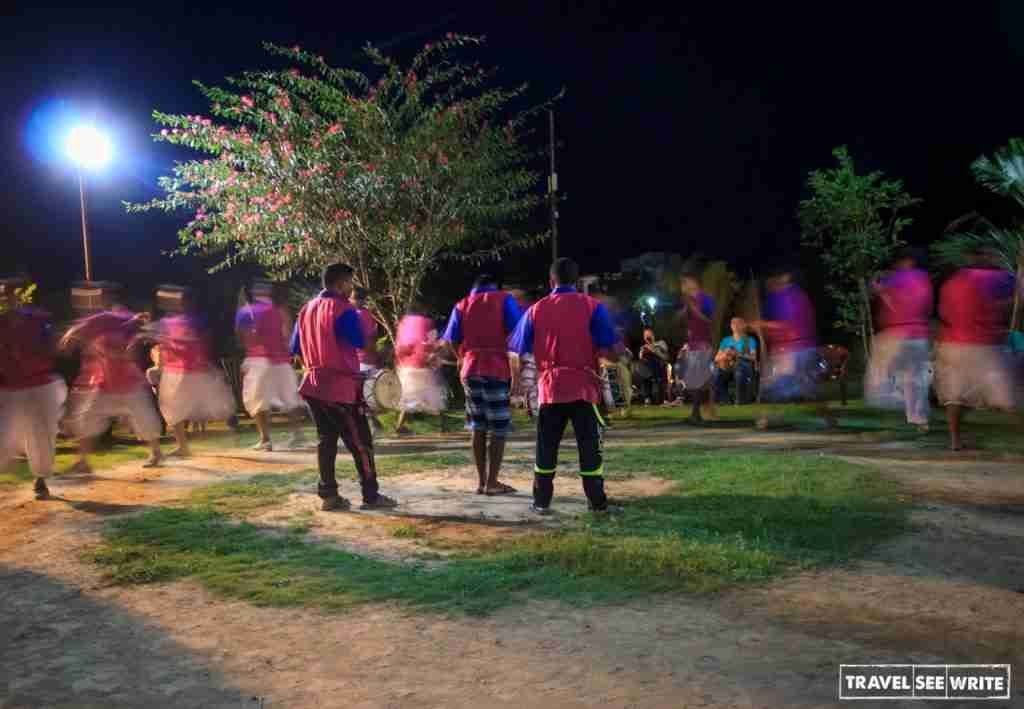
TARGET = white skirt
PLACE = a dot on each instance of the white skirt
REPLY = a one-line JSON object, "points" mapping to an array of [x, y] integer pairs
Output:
{"points": [[422, 391], [195, 396], [28, 424], [268, 386], [899, 376], [792, 376], [978, 376], [697, 368], [92, 411]]}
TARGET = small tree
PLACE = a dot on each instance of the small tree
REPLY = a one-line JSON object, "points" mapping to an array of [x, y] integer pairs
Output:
{"points": [[854, 220], [393, 172], [23, 295], [1003, 174]]}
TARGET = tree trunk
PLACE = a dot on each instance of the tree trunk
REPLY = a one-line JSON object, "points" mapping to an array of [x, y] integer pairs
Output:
{"points": [[867, 326]]}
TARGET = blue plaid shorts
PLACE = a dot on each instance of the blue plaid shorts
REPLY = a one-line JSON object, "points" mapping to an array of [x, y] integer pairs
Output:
{"points": [[487, 405]]}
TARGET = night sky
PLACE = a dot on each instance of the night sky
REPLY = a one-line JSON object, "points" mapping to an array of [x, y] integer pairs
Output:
{"points": [[683, 129]]}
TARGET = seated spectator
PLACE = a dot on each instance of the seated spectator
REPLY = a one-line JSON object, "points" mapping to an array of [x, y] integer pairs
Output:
{"points": [[654, 354], [736, 359]]}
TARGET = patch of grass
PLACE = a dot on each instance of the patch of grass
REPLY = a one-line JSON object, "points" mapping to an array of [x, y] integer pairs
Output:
{"points": [[406, 531], [732, 519]]}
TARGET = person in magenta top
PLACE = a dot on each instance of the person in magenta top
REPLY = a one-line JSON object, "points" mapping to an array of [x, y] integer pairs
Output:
{"points": [[31, 393], [973, 363], [110, 383], [268, 380], [899, 371], [567, 332], [478, 329], [191, 387], [327, 337], [794, 368], [699, 311], [416, 359]]}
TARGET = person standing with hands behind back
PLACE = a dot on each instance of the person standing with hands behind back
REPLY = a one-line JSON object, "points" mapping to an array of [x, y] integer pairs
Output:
{"points": [[326, 336], [478, 328], [567, 332]]}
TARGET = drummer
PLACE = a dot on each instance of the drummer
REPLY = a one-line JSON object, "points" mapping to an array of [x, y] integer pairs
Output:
{"points": [[369, 356], [478, 329], [326, 336]]}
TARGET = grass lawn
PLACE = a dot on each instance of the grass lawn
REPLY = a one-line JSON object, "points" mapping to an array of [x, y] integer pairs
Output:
{"points": [[730, 519]]}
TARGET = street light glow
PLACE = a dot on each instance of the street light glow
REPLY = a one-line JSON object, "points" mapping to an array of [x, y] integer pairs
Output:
{"points": [[88, 148], [651, 302]]}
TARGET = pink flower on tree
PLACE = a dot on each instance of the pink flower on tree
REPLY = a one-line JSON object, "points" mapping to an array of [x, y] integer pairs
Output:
{"points": [[164, 132], [288, 248], [333, 129], [247, 101], [199, 235]]}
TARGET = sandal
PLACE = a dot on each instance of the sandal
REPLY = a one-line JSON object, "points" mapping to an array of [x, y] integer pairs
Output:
{"points": [[501, 489]]}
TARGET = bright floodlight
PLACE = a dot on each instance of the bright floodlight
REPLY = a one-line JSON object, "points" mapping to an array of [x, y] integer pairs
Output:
{"points": [[652, 301], [88, 148]]}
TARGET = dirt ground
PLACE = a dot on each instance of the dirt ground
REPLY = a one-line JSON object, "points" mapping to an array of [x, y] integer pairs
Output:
{"points": [[950, 591]]}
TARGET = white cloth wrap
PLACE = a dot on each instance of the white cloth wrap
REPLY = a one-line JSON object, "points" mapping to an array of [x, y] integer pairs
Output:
{"points": [[92, 411], [269, 386], [195, 396], [28, 424]]}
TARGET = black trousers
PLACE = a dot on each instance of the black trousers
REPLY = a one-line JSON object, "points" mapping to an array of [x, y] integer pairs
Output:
{"points": [[551, 423], [347, 421]]}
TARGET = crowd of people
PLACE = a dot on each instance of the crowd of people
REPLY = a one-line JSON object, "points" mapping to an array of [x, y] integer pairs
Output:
{"points": [[564, 356]]}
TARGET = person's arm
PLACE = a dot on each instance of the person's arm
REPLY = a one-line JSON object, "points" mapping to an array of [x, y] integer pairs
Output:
{"points": [[295, 346], [453, 332], [511, 313], [602, 332], [520, 341], [348, 328]]}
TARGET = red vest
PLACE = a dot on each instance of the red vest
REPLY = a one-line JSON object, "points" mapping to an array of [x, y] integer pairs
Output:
{"points": [[183, 345], [332, 367], [564, 349], [261, 327], [974, 306], [26, 353], [107, 363], [484, 348]]}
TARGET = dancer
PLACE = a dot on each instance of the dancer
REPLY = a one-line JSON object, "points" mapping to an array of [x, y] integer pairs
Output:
{"points": [[416, 358], [326, 336], [973, 364], [268, 380], [699, 310], [32, 394], [110, 383], [369, 356], [479, 327], [898, 374], [191, 389], [794, 368], [567, 332]]}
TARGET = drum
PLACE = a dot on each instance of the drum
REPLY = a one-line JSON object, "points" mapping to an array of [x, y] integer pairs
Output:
{"points": [[382, 390], [614, 396]]}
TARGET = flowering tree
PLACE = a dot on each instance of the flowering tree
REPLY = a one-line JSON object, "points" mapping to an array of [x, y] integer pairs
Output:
{"points": [[855, 221], [393, 173]]}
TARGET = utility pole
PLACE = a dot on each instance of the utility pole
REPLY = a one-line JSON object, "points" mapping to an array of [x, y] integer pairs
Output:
{"points": [[553, 188]]}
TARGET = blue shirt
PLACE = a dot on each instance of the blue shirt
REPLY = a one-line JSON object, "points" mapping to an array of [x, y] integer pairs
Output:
{"points": [[347, 328], [744, 345], [511, 314], [601, 329]]}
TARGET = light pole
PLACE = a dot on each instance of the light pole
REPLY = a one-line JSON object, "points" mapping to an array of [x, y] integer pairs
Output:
{"points": [[88, 149]]}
